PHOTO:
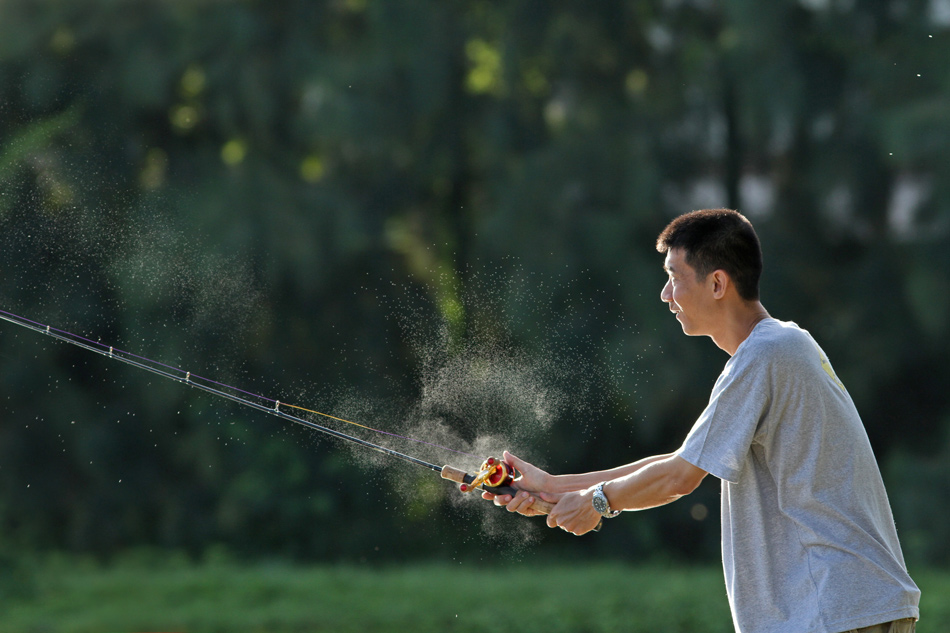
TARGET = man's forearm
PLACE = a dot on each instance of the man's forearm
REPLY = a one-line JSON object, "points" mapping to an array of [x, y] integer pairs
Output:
{"points": [[582, 481], [660, 482]]}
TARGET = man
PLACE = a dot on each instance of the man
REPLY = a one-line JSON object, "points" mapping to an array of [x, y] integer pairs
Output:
{"points": [[808, 538]]}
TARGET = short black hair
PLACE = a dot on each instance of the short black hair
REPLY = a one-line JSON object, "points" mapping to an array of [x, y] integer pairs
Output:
{"points": [[718, 239]]}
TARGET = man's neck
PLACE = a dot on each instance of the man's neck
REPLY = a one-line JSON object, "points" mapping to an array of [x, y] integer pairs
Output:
{"points": [[738, 325]]}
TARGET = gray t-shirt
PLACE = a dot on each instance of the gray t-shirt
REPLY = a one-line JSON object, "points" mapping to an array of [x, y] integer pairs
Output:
{"points": [[808, 539]]}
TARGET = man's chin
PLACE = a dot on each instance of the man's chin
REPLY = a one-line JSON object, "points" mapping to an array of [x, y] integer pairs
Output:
{"points": [[687, 329], [683, 324]]}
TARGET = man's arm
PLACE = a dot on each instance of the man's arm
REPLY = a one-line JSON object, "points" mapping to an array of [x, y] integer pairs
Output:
{"points": [[656, 483], [534, 481], [570, 483]]}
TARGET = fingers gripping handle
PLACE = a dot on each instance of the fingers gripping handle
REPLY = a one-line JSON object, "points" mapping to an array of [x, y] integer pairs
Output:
{"points": [[542, 506], [463, 478]]}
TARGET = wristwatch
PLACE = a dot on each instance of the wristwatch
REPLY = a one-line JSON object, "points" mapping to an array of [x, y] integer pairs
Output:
{"points": [[599, 499]]}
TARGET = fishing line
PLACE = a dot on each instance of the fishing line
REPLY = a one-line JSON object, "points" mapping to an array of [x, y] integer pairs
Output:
{"points": [[273, 407], [494, 475]]}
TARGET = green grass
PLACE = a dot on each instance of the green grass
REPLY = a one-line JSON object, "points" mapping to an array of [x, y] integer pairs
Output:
{"points": [[68, 596]]}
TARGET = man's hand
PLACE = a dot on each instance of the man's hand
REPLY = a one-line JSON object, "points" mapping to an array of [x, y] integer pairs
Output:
{"points": [[531, 482], [574, 512]]}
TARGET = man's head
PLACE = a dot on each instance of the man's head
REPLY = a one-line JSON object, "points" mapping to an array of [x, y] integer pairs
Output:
{"points": [[717, 239]]}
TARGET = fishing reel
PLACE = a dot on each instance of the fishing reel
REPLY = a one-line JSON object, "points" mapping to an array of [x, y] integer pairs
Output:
{"points": [[494, 476], [493, 473]]}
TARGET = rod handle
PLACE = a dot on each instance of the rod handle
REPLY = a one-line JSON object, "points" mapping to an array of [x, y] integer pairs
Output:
{"points": [[542, 506], [454, 474], [461, 477]]}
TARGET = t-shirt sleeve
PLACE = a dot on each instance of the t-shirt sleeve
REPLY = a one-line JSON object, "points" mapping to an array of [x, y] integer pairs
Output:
{"points": [[721, 438]]}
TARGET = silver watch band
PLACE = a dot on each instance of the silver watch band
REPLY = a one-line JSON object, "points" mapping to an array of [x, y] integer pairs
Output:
{"points": [[606, 512]]}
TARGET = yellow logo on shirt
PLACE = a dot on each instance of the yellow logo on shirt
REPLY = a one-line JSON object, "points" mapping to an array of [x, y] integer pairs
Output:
{"points": [[826, 365]]}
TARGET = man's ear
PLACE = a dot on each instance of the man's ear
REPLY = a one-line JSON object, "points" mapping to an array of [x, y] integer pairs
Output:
{"points": [[720, 282]]}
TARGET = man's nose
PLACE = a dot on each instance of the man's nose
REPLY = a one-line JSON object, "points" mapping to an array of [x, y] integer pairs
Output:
{"points": [[666, 295]]}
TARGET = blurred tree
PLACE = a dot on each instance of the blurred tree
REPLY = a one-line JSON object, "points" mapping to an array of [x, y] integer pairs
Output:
{"points": [[333, 201]]}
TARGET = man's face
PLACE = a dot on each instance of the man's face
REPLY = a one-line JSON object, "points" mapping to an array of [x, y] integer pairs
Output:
{"points": [[689, 298]]}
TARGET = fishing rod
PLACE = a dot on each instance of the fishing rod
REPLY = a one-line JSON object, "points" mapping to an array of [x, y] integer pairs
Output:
{"points": [[494, 475]]}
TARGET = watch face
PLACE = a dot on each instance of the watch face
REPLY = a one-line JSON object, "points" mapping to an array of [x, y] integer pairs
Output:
{"points": [[600, 501]]}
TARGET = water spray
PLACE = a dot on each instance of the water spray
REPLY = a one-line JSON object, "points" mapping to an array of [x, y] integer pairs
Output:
{"points": [[494, 475]]}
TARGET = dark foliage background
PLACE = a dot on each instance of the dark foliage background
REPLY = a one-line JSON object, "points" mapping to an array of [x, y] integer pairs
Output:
{"points": [[340, 203]]}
